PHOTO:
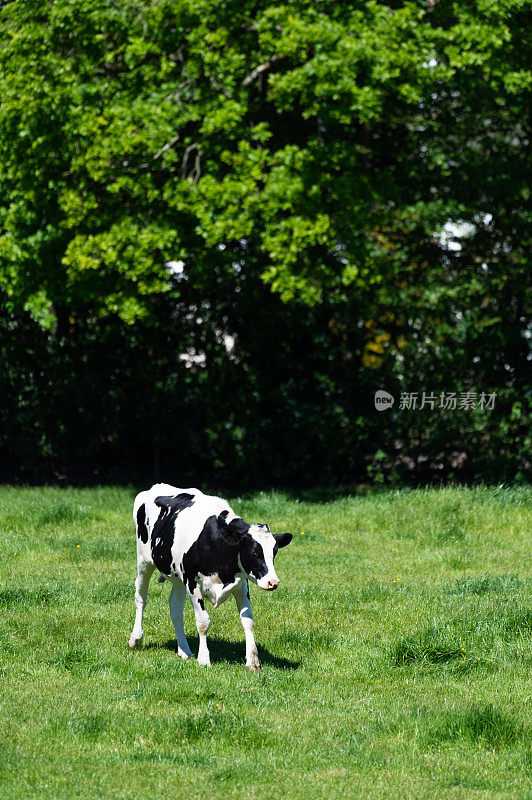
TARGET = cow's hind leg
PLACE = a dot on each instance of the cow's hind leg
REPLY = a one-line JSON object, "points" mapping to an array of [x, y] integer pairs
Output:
{"points": [[177, 602], [241, 595], [145, 571]]}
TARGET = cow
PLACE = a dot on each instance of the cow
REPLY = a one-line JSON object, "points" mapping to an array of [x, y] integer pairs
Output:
{"points": [[207, 552]]}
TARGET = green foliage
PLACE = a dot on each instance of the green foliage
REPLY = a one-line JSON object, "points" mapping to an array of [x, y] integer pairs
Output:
{"points": [[303, 160], [132, 133]]}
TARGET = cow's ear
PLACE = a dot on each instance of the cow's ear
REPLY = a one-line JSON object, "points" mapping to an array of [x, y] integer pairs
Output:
{"points": [[282, 539], [233, 531]]}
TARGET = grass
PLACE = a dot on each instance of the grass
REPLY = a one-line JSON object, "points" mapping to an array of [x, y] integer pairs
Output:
{"points": [[396, 655]]}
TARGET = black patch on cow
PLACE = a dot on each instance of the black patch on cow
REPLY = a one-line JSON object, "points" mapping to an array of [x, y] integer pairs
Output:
{"points": [[162, 535], [142, 531], [235, 531], [177, 503], [201, 604], [252, 557], [212, 553]]}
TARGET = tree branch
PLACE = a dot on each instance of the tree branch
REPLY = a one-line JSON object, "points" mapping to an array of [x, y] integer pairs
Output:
{"points": [[260, 69], [169, 144], [196, 170]]}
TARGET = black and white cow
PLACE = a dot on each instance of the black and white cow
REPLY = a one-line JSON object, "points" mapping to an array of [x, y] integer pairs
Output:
{"points": [[205, 550]]}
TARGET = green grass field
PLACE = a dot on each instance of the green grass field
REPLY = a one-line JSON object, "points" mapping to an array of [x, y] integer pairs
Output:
{"points": [[396, 655]]}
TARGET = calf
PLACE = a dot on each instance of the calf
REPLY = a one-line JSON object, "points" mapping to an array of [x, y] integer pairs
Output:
{"points": [[199, 544]]}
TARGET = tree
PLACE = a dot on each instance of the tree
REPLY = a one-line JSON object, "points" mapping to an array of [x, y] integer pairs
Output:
{"points": [[317, 149]]}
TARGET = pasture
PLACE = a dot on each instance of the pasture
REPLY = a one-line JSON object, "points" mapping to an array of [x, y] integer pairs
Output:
{"points": [[396, 654]]}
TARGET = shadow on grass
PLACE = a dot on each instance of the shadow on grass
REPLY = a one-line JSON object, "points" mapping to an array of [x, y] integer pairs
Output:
{"points": [[484, 584], [42, 595], [313, 496], [228, 651], [478, 724]]}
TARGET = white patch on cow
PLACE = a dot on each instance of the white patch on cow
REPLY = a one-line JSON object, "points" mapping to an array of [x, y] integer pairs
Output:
{"points": [[261, 534], [213, 589]]}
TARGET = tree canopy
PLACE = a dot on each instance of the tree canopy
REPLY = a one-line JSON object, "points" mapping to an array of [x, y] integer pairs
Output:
{"points": [[352, 174]]}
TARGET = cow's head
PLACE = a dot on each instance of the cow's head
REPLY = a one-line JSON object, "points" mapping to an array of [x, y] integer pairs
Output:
{"points": [[257, 548]]}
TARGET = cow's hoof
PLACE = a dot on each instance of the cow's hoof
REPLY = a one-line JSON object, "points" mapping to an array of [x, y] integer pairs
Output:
{"points": [[253, 664], [204, 662], [134, 644], [183, 655]]}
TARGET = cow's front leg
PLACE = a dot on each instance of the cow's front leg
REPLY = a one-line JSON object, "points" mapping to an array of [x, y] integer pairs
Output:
{"points": [[202, 624], [177, 602], [241, 595], [144, 572]]}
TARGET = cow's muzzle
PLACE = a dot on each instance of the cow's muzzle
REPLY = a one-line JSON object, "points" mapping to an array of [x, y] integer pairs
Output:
{"points": [[272, 585]]}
